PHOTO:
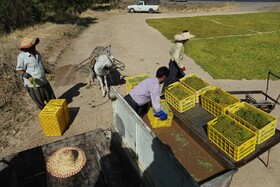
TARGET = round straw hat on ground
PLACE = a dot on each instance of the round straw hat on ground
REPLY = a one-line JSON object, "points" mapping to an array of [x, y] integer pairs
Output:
{"points": [[66, 162]]}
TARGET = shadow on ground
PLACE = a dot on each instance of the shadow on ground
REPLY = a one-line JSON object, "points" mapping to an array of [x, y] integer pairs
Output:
{"points": [[72, 92]]}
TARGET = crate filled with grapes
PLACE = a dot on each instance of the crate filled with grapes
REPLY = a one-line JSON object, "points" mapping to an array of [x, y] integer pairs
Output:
{"points": [[155, 121], [179, 97], [195, 84], [217, 101], [132, 81], [236, 140], [262, 123]]}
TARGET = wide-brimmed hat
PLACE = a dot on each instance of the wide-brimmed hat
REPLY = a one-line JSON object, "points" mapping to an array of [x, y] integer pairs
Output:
{"points": [[28, 42], [183, 36], [66, 161]]}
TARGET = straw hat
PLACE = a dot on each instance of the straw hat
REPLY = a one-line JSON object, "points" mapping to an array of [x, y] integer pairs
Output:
{"points": [[66, 161], [28, 42], [183, 36]]}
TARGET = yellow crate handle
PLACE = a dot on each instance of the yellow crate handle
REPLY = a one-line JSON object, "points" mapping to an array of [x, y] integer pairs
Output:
{"points": [[170, 86]]}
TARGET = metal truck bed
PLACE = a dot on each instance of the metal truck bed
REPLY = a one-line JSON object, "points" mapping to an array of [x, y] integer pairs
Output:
{"points": [[195, 121], [151, 157]]}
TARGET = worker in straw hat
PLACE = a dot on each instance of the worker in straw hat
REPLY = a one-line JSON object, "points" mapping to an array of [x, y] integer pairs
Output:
{"points": [[176, 51], [30, 67]]}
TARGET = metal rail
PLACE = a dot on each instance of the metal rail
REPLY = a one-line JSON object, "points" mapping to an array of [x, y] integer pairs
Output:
{"points": [[267, 83], [268, 104]]}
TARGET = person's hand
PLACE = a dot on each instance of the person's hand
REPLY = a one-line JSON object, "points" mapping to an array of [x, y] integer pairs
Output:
{"points": [[183, 68], [162, 115], [31, 79]]}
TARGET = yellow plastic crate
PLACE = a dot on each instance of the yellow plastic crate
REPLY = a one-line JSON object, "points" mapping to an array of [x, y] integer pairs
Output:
{"points": [[183, 104], [62, 103], [262, 134], [213, 107], [132, 81], [155, 121], [52, 120], [232, 150], [197, 92]]}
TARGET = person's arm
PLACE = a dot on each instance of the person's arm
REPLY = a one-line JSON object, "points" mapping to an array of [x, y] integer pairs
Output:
{"points": [[20, 69], [20, 72], [178, 54], [155, 98]]}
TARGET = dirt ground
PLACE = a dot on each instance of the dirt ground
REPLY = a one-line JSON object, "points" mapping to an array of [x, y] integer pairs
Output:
{"points": [[142, 49]]}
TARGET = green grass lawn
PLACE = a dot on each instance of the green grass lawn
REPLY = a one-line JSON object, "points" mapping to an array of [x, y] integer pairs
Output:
{"points": [[243, 46]]}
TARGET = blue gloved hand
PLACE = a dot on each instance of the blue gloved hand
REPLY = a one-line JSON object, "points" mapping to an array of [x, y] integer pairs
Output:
{"points": [[162, 115]]}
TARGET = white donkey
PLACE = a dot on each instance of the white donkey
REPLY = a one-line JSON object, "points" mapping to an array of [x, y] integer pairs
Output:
{"points": [[101, 62]]}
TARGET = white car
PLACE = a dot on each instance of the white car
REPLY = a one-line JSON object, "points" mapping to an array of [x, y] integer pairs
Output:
{"points": [[142, 6]]}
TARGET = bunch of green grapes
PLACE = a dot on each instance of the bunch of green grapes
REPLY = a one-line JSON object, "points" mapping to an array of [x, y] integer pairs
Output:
{"points": [[137, 79], [233, 132], [204, 163], [253, 117], [195, 82], [165, 108], [218, 96], [179, 92], [33, 82]]}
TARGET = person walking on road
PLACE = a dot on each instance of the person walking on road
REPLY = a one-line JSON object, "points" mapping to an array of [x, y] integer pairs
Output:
{"points": [[148, 90], [30, 67], [176, 51]]}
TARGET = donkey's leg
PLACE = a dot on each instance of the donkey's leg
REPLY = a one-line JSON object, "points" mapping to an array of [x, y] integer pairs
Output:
{"points": [[101, 85], [109, 84], [106, 83]]}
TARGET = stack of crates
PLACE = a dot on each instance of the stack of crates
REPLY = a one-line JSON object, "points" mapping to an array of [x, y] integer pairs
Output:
{"points": [[263, 133], [132, 81], [173, 98], [155, 121], [199, 80], [62, 103], [54, 117]]}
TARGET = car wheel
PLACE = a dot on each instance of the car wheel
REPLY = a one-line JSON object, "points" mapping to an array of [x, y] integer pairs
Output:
{"points": [[131, 10], [151, 10]]}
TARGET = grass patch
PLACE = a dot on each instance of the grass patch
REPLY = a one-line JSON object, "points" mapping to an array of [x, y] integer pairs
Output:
{"points": [[230, 46]]}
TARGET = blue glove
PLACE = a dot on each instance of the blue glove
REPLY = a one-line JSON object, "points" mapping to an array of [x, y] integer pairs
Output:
{"points": [[162, 115]]}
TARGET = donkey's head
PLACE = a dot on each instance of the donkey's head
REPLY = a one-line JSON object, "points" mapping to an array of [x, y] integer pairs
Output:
{"points": [[110, 56]]}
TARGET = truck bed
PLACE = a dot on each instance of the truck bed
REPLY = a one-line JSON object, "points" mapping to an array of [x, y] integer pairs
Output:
{"points": [[197, 161], [180, 155], [195, 122]]}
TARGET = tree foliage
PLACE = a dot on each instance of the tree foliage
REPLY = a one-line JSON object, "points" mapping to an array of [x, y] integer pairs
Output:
{"points": [[16, 14], [21, 13]]}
